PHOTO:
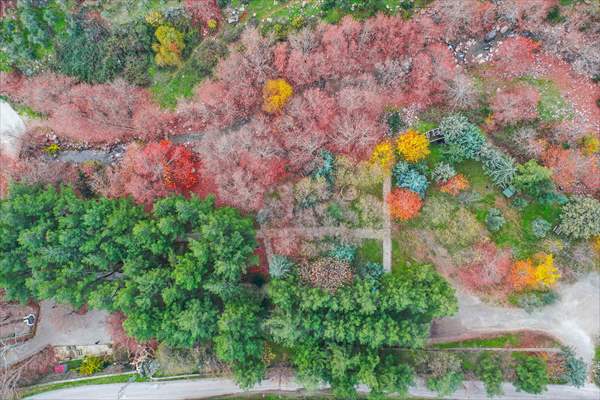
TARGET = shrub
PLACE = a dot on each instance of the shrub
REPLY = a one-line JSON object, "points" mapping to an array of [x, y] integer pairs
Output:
{"points": [[371, 270], [276, 94], [534, 300], [464, 139], [596, 367], [490, 373], [455, 185], [533, 179], [175, 361], [413, 146], [280, 266], [590, 145], [169, 47], [446, 384], [575, 372], [412, 180], [383, 155], [91, 365], [540, 227], [327, 168], [394, 122], [580, 218], [82, 53], [494, 220], [443, 372], [326, 273], [531, 374], [344, 252], [497, 165], [404, 204], [442, 172]]}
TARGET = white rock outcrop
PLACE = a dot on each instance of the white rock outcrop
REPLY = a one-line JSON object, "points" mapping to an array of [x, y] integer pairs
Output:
{"points": [[12, 128]]}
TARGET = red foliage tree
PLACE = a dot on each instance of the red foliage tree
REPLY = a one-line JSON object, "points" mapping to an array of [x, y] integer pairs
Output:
{"points": [[404, 204], [572, 171], [203, 11], [487, 269], [118, 335], [40, 92], [515, 105], [244, 163], [102, 113], [515, 56], [153, 171], [37, 366]]}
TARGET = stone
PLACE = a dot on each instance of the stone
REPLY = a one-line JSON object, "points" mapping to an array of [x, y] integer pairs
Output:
{"points": [[12, 128], [491, 35], [504, 29]]}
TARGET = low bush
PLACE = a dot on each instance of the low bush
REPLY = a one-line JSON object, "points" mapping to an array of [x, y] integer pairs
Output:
{"points": [[91, 365], [534, 300], [442, 172], [540, 228], [279, 266], [580, 218], [490, 373], [575, 372], [531, 374], [494, 220]]}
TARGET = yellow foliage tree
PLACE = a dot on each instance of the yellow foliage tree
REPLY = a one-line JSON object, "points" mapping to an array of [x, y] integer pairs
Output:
{"points": [[413, 146], [590, 144], [169, 47], [546, 273], [383, 155], [154, 18], [597, 243], [276, 94], [534, 274]]}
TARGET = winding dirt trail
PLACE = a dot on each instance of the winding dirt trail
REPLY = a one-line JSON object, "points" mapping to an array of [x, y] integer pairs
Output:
{"points": [[574, 320]]}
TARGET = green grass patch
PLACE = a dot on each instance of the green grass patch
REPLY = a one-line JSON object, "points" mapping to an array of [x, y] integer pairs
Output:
{"points": [[370, 250], [74, 364], [508, 340], [169, 87], [92, 381], [552, 107]]}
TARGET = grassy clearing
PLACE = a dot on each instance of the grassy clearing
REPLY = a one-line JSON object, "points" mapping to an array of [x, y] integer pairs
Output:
{"points": [[509, 340], [92, 381], [370, 250], [517, 232], [552, 107], [170, 86]]}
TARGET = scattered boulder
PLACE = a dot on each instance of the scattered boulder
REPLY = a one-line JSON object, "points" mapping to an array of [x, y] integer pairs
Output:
{"points": [[491, 35]]}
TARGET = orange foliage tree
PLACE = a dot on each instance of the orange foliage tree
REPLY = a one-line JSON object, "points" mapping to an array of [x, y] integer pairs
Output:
{"points": [[534, 273], [413, 146], [404, 204], [455, 185], [276, 94]]}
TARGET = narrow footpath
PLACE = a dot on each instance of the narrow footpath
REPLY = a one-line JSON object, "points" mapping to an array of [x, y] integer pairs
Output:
{"points": [[205, 388]]}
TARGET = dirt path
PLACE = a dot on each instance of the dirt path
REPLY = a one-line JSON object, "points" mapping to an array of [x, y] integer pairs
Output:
{"points": [[211, 387], [387, 225], [574, 320], [59, 326]]}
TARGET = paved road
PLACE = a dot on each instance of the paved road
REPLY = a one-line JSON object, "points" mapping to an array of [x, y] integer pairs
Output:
{"points": [[58, 326], [203, 388], [574, 319]]}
